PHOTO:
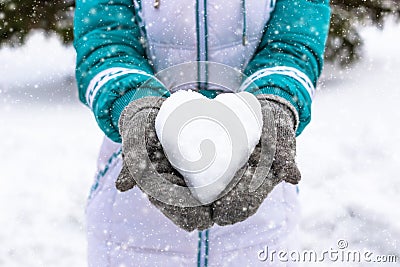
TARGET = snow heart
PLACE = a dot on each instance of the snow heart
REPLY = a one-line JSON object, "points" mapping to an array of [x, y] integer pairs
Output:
{"points": [[209, 140]]}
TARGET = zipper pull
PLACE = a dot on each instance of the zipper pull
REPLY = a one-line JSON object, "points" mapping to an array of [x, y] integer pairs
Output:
{"points": [[156, 4], [244, 40]]}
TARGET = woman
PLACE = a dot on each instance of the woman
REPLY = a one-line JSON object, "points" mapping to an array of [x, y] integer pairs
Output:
{"points": [[120, 44]]}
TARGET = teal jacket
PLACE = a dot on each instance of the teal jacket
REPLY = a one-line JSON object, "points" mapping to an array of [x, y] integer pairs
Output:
{"points": [[120, 44]]}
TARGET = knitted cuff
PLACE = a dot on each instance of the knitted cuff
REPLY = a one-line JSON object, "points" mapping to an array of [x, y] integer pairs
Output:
{"points": [[149, 102], [134, 94], [285, 105]]}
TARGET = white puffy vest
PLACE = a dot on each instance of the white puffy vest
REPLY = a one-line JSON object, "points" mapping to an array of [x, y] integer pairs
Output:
{"points": [[226, 32]]}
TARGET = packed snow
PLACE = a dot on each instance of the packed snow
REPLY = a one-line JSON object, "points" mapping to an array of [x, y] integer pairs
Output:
{"points": [[349, 156], [199, 140]]}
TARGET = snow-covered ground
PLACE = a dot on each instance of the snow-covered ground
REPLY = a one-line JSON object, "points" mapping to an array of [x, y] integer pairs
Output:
{"points": [[48, 149], [349, 156]]}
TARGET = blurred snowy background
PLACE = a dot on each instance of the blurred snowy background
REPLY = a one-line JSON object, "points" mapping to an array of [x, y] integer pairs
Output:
{"points": [[349, 155]]}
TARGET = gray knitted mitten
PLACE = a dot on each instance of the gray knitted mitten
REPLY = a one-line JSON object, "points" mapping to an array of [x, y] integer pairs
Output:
{"points": [[240, 203], [144, 164]]}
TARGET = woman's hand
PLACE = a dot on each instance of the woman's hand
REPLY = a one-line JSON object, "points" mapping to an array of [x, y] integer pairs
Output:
{"points": [[145, 165], [243, 199]]}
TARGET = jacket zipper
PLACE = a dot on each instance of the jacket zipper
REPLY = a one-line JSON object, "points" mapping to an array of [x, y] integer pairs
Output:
{"points": [[202, 43], [203, 248]]}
